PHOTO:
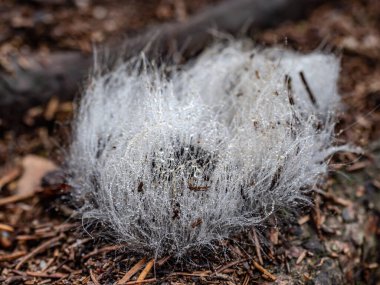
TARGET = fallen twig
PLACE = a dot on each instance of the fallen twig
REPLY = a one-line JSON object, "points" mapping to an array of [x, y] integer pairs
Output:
{"points": [[15, 198], [317, 217], [228, 265], [132, 271], [333, 198], [57, 275], [12, 256], [308, 89], [301, 257], [257, 246], [7, 228], [45, 275], [195, 273], [264, 271], [303, 220], [94, 278], [142, 281], [146, 270], [104, 249], [246, 279], [47, 244], [10, 176], [162, 261]]}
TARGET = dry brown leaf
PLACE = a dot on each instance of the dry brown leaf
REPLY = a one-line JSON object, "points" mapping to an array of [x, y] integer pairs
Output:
{"points": [[34, 168]]}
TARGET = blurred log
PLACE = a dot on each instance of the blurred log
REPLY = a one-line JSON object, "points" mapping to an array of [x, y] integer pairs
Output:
{"points": [[58, 74], [233, 17], [61, 74]]}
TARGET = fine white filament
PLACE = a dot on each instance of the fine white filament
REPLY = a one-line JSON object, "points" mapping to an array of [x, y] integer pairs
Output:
{"points": [[173, 161]]}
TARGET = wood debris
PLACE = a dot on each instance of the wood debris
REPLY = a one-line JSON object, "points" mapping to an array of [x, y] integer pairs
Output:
{"points": [[132, 271], [264, 271]]}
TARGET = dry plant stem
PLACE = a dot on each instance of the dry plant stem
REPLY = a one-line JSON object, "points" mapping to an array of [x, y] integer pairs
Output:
{"points": [[248, 269], [48, 264], [7, 228], [146, 281], [15, 198], [12, 256], [10, 176], [246, 280], [103, 250], [258, 247], [303, 220], [195, 274], [146, 270], [132, 271], [233, 263], [335, 199], [94, 278], [44, 275], [41, 248], [301, 257], [264, 271], [316, 214], [162, 261]]}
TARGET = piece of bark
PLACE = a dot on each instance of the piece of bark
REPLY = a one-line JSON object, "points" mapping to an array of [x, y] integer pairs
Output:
{"points": [[62, 74]]}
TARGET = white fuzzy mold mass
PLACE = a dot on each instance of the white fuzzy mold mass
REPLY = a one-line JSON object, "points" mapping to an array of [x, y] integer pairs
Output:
{"points": [[175, 162]]}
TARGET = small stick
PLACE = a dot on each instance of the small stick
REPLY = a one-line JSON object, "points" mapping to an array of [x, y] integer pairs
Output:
{"points": [[303, 220], [195, 274], [12, 256], [146, 270], [15, 198], [6, 228], [132, 271], [31, 237], [197, 188], [102, 250], [44, 275], [196, 223], [40, 274], [10, 176], [47, 244], [162, 261], [228, 265], [333, 198], [264, 271], [258, 247], [317, 217], [308, 89], [248, 269], [94, 278], [301, 257], [151, 280], [288, 82], [246, 279], [48, 264]]}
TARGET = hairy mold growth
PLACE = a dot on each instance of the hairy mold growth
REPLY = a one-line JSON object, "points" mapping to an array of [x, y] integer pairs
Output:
{"points": [[175, 162]]}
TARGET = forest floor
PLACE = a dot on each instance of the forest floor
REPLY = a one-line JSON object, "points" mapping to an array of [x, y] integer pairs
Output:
{"points": [[336, 241]]}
